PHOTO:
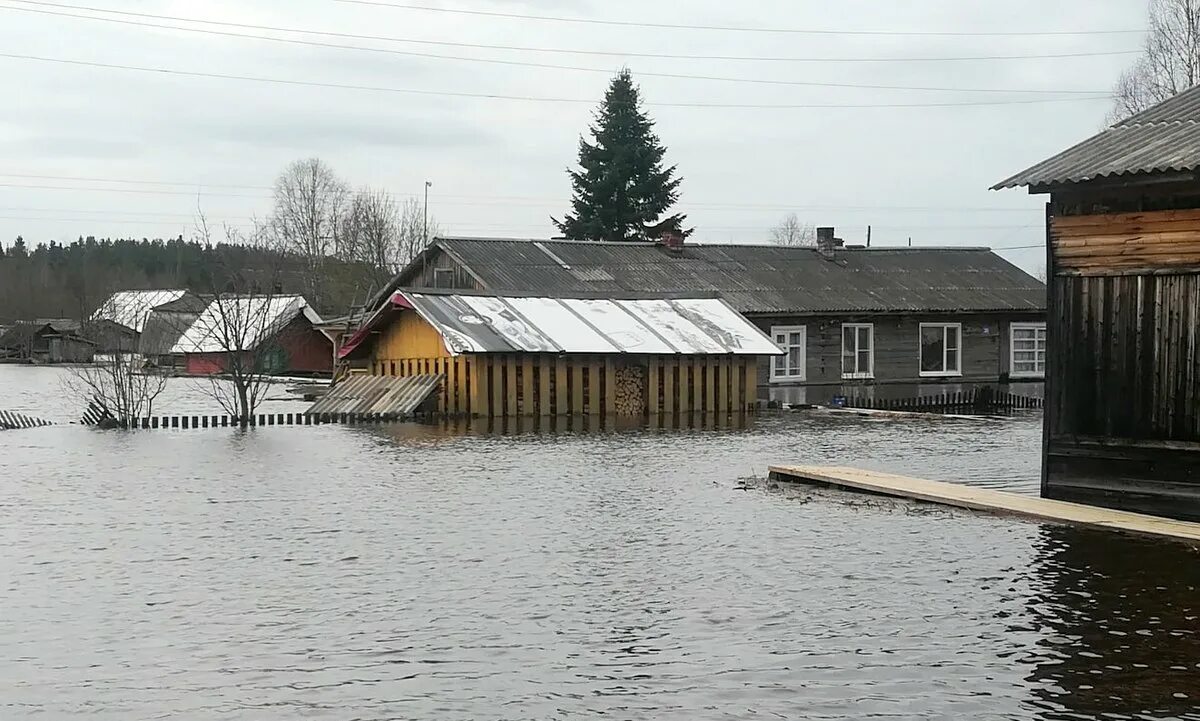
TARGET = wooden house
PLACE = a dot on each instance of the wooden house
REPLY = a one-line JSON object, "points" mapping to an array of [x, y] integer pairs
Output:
{"points": [[46, 341], [852, 320], [512, 355], [275, 334], [1122, 419]]}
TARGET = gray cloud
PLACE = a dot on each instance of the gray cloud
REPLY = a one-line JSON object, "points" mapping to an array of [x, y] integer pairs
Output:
{"points": [[845, 167]]}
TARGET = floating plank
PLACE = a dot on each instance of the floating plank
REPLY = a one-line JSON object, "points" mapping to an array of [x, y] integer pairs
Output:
{"points": [[385, 395], [991, 501]]}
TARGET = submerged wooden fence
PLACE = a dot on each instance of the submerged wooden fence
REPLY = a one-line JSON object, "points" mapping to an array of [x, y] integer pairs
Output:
{"points": [[982, 400], [262, 419]]}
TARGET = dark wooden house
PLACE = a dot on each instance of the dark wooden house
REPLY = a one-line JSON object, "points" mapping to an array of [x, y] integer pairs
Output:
{"points": [[854, 321], [1123, 261], [46, 341]]}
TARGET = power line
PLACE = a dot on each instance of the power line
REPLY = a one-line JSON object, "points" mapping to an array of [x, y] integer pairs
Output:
{"points": [[761, 228], [551, 66], [734, 28], [525, 98], [441, 199], [578, 51]]}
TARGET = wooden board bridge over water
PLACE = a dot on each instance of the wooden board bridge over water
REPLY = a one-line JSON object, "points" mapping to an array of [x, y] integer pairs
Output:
{"points": [[987, 500]]}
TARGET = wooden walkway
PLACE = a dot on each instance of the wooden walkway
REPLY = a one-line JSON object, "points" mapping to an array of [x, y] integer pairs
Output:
{"points": [[983, 499]]}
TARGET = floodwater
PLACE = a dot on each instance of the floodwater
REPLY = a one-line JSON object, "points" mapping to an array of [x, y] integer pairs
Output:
{"points": [[412, 572]]}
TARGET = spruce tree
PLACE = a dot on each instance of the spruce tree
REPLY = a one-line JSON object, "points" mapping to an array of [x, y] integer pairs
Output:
{"points": [[621, 190]]}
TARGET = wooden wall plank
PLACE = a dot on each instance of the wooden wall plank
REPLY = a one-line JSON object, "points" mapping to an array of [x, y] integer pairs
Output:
{"points": [[683, 401], [751, 399], [511, 389], [653, 376], [595, 367], [667, 373], [578, 402], [723, 384], [545, 405], [561, 387], [527, 386], [710, 383], [496, 385], [610, 385]]}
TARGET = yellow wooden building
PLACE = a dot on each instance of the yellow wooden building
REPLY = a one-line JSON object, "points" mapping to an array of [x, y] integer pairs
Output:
{"points": [[529, 356]]}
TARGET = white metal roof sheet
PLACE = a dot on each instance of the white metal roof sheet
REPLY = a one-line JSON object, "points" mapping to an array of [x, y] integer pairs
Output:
{"points": [[130, 308], [241, 322], [494, 324]]}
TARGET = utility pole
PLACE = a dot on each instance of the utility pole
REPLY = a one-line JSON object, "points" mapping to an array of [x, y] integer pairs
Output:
{"points": [[428, 185], [868, 236]]}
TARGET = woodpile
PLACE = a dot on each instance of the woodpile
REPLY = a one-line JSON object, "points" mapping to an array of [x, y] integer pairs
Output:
{"points": [[630, 390]]}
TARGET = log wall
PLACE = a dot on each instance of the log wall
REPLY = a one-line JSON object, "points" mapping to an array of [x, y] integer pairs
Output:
{"points": [[1122, 421]]}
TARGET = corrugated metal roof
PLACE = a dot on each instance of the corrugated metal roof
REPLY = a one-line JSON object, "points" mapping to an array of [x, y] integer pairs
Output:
{"points": [[758, 278], [496, 324], [241, 322], [1164, 138], [385, 395], [130, 308]]}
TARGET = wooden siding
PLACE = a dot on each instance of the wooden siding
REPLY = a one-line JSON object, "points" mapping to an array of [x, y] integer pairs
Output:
{"points": [[986, 341], [1126, 243], [453, 275], [1122, 421]]}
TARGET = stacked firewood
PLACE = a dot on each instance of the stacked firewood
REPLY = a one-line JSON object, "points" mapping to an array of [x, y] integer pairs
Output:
{"points": [[630, 390]]}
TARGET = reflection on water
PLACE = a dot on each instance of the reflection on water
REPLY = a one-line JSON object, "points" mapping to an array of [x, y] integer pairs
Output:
{"points": [[432, 572], [1120, 625]]}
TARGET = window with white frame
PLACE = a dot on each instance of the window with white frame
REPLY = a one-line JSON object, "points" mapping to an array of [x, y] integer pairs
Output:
{"points": [[790, 365], [1028, 349], [858, 350], [941, 349]]}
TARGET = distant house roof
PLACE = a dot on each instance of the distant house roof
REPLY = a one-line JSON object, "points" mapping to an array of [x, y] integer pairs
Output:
{"points": [[130, 308], [1163, 138], [752, 278], [471, 323], [241, 322]]}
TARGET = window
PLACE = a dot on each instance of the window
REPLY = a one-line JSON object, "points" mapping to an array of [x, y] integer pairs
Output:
{"points": [[443, 277], [858, 350], [941, 349], [1028, 350], [790, 366]]}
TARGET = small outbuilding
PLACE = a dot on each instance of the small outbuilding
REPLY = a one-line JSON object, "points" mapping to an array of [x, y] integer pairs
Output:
{"points": [[515, 355]]}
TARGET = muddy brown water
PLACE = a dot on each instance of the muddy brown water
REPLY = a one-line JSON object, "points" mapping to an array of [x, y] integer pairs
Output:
{"points": [[415, 572]]}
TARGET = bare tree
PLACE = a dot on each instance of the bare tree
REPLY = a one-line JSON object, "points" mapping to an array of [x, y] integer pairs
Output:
{"points": [[240, 330], [1170, 62], [116, 384], [792, 232], [383, 234], [310, 202]]}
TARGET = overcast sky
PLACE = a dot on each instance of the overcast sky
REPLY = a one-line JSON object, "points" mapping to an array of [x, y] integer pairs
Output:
{"points": [[498, 165]]}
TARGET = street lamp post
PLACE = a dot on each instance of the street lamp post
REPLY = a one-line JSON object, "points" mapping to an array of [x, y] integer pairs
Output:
{"points": [[428, 185]]}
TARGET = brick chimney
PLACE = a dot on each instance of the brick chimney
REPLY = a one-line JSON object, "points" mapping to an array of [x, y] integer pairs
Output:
{"points": [[826, 243], [672, 241]]}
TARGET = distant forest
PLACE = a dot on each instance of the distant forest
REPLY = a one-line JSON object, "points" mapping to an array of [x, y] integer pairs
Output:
{"points": [[70, 281]]}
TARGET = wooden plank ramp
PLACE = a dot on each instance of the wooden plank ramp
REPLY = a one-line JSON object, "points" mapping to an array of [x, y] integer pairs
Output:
{"points": [[988, 500]]}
